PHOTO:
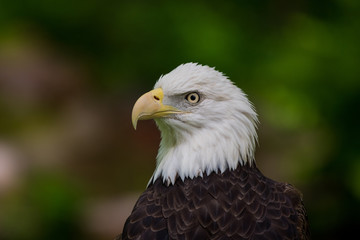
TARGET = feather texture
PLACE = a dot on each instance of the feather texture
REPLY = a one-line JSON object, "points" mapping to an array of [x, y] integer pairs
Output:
{"points": [[235, 204]]}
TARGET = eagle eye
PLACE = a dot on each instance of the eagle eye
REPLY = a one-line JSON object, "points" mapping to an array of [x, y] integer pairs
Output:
{"points": [[193, 97]]}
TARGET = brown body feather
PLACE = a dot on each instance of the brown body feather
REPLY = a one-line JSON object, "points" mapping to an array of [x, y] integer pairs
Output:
{"points": [[237, 204]]}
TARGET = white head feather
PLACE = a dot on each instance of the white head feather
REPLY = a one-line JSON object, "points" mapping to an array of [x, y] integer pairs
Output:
{"points": [[216, 134]]}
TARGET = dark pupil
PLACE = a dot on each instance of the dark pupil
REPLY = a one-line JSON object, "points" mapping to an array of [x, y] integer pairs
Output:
{"points": [[192, 97]]}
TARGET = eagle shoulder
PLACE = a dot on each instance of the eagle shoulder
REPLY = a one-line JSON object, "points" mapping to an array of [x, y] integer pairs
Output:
{"points": [[296, 198], [146, 221]]}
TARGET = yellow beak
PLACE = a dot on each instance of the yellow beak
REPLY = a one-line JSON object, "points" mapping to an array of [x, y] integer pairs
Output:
{"points": [[150, 106]]}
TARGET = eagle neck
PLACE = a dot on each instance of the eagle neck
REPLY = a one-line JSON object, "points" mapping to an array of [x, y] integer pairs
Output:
{"points": [[188, 152]]}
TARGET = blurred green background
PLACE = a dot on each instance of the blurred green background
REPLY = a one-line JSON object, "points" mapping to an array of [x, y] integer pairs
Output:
{"points": [[71, 166]]}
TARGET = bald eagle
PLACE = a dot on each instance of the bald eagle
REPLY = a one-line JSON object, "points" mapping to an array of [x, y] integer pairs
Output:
{"points": [[206, 184]]}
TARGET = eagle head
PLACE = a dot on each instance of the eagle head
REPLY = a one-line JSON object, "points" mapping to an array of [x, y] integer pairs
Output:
{"points": [[207, 123]]}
